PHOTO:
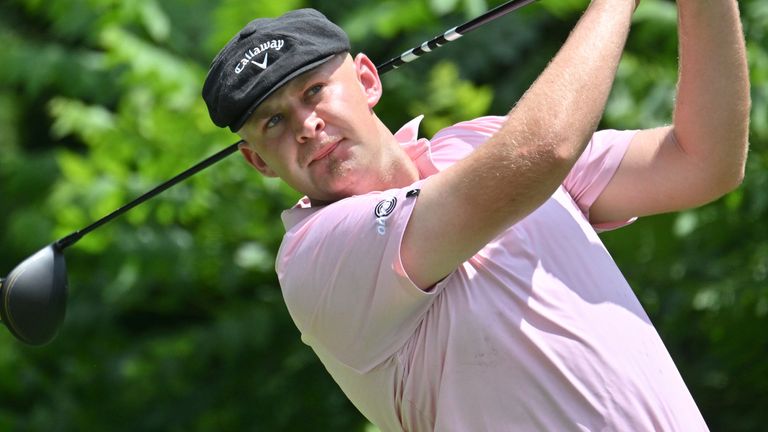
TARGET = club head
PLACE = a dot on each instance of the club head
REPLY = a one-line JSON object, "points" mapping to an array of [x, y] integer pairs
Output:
{"points": [[33, 296]]}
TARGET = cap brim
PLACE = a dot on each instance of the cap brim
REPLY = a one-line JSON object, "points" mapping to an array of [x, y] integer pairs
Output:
{"points": [[306, 68]]}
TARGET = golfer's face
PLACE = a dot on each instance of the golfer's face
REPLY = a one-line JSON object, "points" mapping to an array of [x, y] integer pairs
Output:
{"points": [[311, 133]]}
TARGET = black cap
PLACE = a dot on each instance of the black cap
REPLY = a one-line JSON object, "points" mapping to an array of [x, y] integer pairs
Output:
{"points": [[265, 55]]}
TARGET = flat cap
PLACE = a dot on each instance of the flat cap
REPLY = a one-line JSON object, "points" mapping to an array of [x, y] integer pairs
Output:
{"points": [[264, 56]]}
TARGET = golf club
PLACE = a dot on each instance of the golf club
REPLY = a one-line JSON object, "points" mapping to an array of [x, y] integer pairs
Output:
{"points": [[33, 296]]}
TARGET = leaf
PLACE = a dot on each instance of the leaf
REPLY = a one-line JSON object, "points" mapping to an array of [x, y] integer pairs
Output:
{"points": [[75, 117], [474, 8], [443, 7], [155, 20], [450, 99], [75, 168]]}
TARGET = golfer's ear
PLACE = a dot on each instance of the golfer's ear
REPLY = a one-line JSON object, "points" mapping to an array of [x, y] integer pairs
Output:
{"points": [[255, 160], [369, 78]]}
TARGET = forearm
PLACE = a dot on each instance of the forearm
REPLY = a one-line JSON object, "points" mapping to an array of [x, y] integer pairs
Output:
{"points": [[521, 165], [711, 118], [553, 122]]}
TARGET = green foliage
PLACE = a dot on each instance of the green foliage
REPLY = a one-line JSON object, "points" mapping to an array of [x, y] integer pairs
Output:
{"points": [[472, 8], [175, 320], [448, 99]]}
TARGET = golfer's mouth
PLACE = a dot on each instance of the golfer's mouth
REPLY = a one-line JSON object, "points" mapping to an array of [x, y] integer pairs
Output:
{"points": [[325, 151]]}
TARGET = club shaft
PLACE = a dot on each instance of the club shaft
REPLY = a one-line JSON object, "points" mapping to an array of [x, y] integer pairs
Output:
{"points": [[394, 63], [451, 35], [70, 239]]}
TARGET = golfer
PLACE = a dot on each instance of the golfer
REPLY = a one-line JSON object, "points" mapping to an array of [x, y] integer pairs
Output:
{"points": [[458, 283]]}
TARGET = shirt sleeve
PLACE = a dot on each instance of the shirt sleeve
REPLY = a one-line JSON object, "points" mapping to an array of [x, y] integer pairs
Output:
{"points": [[343, 279], [595, 169]]}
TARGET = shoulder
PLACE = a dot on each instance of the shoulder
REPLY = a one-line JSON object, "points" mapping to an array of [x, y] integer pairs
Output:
{"points": [[457, 141], [355, 227], [478, 127], [343, 281]]}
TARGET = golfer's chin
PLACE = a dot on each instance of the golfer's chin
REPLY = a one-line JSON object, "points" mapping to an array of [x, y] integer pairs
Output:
{"points": [[341, 187], [326, 198]]}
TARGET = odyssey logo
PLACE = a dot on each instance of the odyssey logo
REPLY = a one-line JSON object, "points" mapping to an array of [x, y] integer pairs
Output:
{"points": [[382, 211], [249, 55]]}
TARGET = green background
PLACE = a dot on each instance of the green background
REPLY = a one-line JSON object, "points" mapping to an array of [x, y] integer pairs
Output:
{"points": [[175, 320]]}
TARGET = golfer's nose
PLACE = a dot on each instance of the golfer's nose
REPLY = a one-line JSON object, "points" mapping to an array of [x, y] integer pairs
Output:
{"points": [[310, 124]]}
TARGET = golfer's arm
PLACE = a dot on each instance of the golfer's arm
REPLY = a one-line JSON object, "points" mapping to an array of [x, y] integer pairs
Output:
{"points": [[466, 206], [702, 155]]}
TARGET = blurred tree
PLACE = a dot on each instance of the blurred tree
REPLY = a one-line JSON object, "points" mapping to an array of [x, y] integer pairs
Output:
{"points": [[175, 319]]}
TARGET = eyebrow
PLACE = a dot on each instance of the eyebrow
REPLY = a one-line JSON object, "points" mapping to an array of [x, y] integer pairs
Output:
{"points": [[261, 112]]}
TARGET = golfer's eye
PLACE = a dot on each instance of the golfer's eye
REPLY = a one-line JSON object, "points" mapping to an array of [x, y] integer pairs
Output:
{"points": [[315, 89], [273, 121]]}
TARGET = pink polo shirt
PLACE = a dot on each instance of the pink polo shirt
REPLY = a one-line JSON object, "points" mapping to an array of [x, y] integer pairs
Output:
{"points": [[539, 331]]}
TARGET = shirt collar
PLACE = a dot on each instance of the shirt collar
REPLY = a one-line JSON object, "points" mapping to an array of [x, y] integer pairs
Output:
{"points": [[418, 149]]}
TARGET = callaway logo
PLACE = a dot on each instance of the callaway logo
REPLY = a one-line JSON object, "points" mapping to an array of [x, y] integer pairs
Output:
{"points": [[383, 209], [248, 58]]}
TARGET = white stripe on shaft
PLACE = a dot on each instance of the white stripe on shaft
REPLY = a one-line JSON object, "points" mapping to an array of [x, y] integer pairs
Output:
{"points": [[408, 56], [452, 34]]}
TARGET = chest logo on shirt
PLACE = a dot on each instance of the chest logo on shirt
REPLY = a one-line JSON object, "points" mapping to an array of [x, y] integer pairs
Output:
{"points": [[382, 211]]}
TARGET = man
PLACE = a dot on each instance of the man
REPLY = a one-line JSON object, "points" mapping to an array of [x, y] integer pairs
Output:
{"points": [[458, 284]]}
